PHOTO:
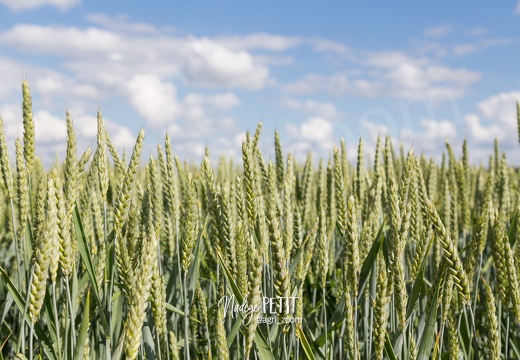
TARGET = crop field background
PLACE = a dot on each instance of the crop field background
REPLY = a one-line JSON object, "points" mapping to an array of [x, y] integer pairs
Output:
{"points": [[398, 257]]}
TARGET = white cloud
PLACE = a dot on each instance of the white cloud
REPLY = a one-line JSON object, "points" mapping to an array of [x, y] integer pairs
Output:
{"points": [[44, 81], [261, 41], [121, 136], [53, 88], [208, 63], [316, 129], [158, 102], [192, 148], [61, 40], [325, 45], [20, 5], [392, 60], [480, 45], [50, 89], [496, 120], [400, 75], [431, 137], [317, 108], [411, 80], [226, 100], [501, 108], [316, 135], [11, 77], [313, 83], [48, 128], [86, 129], [392, 74], [517, 8], [431, 48], [481, 136], [464, 49], [370, 130], [112, 56], [154, 99], [480, 133], [427, 136], [438, 31], [120, 23], [274, 60], [274, 42], [12, 116]]}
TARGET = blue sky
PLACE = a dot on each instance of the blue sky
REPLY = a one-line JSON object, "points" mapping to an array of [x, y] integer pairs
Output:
{"points": [[207, 71]]}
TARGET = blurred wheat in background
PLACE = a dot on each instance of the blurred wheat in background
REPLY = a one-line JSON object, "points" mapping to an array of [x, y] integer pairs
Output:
{"points": [[403, 259]]}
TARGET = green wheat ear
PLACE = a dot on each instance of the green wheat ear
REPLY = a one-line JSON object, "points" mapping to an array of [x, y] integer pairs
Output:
{"points": [[450, 253], [29, 145], [44, 254], [138, 299], [5, 167], [190, 222], [493, 344]]}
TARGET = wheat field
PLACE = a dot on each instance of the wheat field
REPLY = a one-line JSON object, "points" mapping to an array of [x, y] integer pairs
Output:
{"points": [[408, 258]]}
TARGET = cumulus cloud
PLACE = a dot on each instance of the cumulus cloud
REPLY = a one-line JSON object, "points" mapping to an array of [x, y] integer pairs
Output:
{"points": [[479, 45], [201, 114], [275, 60], [121, 23], [46, 82], [61, 40], [438, 31], [406, 76], [313, 83], [392, 75], [190, 143], [154, 99], [11, 77], [316, 129], [393, 59], [427, 136], [496, 120], [277, 43], [413, 80], [113, 55], [432, 135], [481, 134], [222, 101], [326, 45], [501, 108], [317, 108], [316, 135], [260, 41], [48, 128], [20, 5], [208, 63]]}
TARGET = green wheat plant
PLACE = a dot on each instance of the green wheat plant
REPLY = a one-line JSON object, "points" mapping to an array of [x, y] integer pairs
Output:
{"points": [[398, 256]]}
